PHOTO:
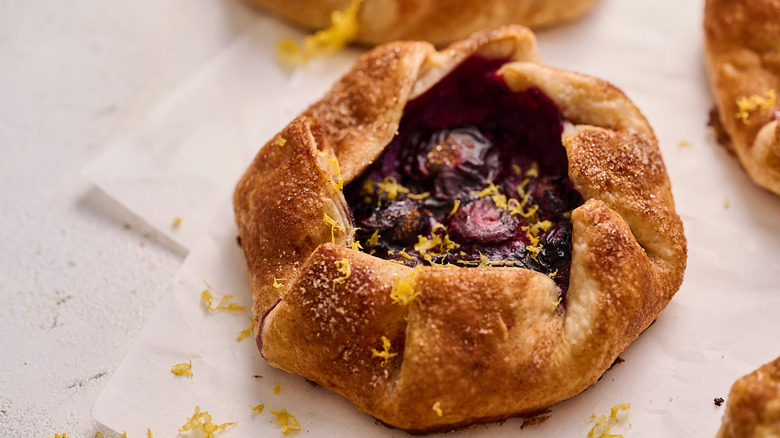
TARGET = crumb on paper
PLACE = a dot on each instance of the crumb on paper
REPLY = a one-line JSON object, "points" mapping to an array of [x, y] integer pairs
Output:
{"points": [[182, 369], [536, 419], [286, 420], [342, 31], [719, 401], [726, 202], [207, 297], [603, 423], [203, 422]]}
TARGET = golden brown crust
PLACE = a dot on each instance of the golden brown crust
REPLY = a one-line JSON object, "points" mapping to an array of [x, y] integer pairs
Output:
{"points": [[437, 21], [480, 344], [743, 60], [753, 408]]}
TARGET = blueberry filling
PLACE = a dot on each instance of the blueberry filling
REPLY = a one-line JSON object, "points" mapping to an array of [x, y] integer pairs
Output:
{"points": [[476, 176]]}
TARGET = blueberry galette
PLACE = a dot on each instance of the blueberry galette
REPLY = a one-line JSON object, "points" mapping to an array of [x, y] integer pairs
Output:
{"points": [[455, 237]]}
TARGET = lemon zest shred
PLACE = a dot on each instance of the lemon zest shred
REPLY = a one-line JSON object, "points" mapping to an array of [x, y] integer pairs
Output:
{"points": [[553, 273], [443, 242], [259, 408], [385, 354], [203, 422], [277, 388], [749, 104], [603, 423], [521, 187], [99, 435], [327, 220], [391, 187], [403, 291], [558, 302], [149, 433], [124, 435], [518, 170], [373, 240], [61, 435], [344, 268], [176, 222], [405, 255], [355, 245], [495, 194], [454, 208], [207, 298], [278, 282], [533, 172], [338, 184], [342, 31], [280, 141], [437, 408], [418, 196], [246, 332], [286, 420], [182, 369]]}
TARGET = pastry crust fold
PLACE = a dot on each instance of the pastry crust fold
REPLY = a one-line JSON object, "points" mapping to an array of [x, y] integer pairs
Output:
{"points": [[437, 21], [743, 62], [474, 344]]}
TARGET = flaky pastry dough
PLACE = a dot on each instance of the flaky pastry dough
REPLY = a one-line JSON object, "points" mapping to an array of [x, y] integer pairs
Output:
{"points": [[474, 344], [743, 62]]}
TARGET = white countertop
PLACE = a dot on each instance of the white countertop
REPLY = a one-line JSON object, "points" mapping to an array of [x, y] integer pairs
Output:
{"points": [[79, 274]]}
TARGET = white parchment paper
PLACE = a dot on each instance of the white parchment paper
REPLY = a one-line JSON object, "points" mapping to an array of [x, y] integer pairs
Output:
{"points": [[184, 160]]}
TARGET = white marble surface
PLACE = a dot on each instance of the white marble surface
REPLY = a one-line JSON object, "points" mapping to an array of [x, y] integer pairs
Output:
{"points": [[79, 274]]}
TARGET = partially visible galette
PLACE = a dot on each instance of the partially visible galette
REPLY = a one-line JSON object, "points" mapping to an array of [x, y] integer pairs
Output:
{"points": [[743, 61], [455, 237], [436, 21], [753, 408]]}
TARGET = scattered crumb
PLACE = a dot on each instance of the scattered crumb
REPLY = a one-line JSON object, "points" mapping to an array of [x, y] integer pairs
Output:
{"points": [[726, 202], [257, 376], [683, 144], [719, 401], [536, 419]]}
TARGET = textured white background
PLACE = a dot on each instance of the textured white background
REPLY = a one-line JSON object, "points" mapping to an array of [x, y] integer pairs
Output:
{"points": [[79, 274]]}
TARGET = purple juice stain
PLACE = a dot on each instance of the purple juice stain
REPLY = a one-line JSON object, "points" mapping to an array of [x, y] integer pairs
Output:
{"points": [[469, 131]]}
